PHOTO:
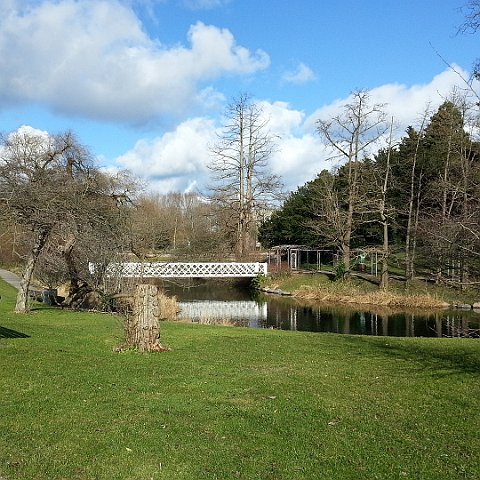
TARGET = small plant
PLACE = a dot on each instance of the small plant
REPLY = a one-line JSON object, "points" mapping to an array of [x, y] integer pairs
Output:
{"points": [[258, 282], [339, 271]]}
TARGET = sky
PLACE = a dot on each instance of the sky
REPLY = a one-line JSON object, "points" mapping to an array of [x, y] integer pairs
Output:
{"points": [[144, 84]]}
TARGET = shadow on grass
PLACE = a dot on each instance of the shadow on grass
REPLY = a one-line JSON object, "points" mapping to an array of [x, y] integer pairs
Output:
{"points": [[7, 333], [440, 357]]}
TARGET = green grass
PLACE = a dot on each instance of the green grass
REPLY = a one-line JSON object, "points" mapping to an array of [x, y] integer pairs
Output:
{"points": [[228, 403], [290, 282]]}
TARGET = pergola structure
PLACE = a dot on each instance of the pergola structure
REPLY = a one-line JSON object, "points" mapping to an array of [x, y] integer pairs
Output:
{"points": [[300, 257]]}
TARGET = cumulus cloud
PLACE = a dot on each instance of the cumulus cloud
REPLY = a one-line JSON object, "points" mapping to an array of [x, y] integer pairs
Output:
{"points": [[178, 159], [175, 161], [406, 103], [301, 75], [74, 58], [300, 154], [282, 120]]}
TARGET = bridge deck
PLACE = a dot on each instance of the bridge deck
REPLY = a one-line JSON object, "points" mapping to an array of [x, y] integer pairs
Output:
{"points": [[185, 270]]}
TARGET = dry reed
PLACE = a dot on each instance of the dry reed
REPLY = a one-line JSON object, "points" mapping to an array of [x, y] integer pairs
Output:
{"points": [[168, 307], [355, 296]]}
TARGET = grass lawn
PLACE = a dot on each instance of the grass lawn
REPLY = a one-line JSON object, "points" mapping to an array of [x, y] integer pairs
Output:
{"points": [[229, 403]]}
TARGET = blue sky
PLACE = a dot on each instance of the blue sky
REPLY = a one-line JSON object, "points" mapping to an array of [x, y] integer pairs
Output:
{"points": [[144, 83]]}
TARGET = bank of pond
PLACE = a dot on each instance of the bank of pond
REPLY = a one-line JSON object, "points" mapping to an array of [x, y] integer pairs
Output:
{"points": [[226, 304]]}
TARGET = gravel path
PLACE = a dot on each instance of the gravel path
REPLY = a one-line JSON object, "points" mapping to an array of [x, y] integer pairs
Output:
{"points": [[12, 279]]}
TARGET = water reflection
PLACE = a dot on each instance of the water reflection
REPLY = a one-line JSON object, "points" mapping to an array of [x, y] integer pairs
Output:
{"points": [[217, 304], [242, 313]]}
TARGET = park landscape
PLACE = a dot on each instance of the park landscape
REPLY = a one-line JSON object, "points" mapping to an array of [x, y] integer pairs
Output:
{"points": [[100, 380]]}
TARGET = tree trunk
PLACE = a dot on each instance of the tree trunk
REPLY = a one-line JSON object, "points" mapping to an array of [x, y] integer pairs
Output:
{"points": [[67, 251], [409, 250], [412, 230], [384, 279], [143, 330], [22, 296], [346, 255]]}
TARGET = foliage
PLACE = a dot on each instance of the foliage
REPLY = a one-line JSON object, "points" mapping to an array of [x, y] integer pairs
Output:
{"points": [[289, 225], [258, 282], [425, 192], [339, 271]]}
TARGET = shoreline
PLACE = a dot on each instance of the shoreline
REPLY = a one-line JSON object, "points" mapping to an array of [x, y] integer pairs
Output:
{"points": [[377, 298]]}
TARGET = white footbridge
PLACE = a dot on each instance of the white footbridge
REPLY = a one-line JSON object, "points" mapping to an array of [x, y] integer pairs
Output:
{"points": [[183, 270]]}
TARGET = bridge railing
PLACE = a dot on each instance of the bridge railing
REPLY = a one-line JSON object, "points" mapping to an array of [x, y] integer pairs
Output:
{"points": [[184, 270]]}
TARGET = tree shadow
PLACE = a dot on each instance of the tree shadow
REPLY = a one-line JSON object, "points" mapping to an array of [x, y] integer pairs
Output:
{"points": [[437, 357], [7, 333]]}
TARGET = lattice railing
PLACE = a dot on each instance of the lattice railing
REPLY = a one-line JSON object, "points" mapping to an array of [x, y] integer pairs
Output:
{"points": [[184, 270]]}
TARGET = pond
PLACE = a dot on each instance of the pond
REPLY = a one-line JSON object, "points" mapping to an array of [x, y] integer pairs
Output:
{"points": [[213, 302]]}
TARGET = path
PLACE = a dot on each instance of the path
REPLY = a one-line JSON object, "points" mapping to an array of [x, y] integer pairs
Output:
{"points": [[11, 278]]}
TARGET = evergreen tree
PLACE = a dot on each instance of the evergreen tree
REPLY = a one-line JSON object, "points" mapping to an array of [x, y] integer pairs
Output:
{"points": [[289, 225]]}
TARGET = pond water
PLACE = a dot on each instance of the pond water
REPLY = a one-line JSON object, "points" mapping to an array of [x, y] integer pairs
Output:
{"points": [[211, 302]]}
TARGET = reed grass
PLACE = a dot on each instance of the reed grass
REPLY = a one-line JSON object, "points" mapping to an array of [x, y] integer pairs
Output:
{"points": [[380, 298], [320, 288]]}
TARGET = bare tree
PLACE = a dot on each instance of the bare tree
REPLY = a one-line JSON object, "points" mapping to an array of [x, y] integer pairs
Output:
{"points": [[330, 219], [49, 186], [382, 208], [351, 134], [242, 183], [35, 186], [414, 204], [472, 17]]}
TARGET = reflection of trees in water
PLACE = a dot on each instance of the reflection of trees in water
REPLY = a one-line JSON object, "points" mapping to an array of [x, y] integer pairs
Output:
{"points": [[288, 313], [384, 321], [200, 289], [461, 327]]}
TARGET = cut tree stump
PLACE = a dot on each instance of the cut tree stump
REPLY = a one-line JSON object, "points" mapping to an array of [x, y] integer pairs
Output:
{"points": [[143, 331]]}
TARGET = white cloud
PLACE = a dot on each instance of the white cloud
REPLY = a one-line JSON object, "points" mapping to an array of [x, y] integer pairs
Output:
{"points": [[301, 75], [94, 59], [300, 155], [300, 159], [42, 138], [176, 161], [282, 120], [405, 103], [28, 131]]}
